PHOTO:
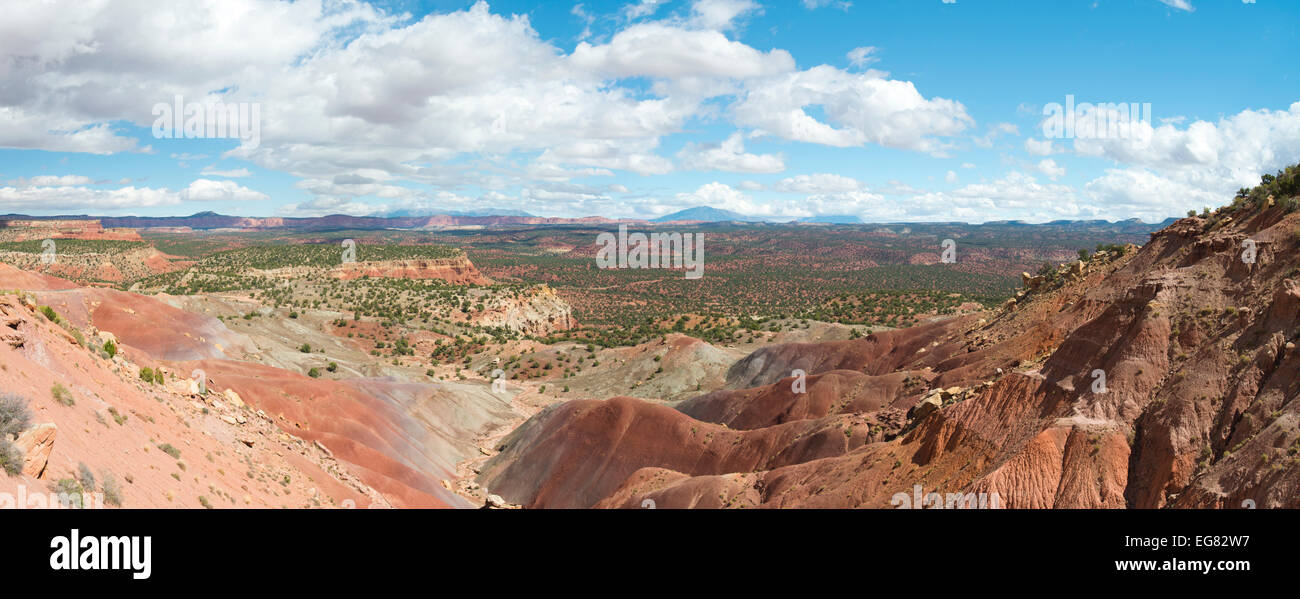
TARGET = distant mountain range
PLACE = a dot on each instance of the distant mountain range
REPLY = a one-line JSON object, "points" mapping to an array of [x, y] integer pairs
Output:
{"points": [[502, 217], [485, 212], [706, 214]]}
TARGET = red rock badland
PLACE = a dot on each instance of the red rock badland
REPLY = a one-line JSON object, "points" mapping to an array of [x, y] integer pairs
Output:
{"points": [[258, 436], [1197, 406]]}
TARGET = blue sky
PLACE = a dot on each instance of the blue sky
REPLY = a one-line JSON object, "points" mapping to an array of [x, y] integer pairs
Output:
{"points": [[890, 111]]}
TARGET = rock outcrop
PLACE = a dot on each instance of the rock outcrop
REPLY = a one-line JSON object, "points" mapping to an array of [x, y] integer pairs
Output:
{"points": [[536, 310], [37, 443], [453, 270]]}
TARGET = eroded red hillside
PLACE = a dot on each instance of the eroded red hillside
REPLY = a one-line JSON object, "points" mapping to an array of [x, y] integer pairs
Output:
{"points": [[147, 444], [1152, 377], [401, 439]]}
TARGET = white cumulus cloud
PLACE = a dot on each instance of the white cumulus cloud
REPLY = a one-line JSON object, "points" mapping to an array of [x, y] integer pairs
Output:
{"points": [[729, 156]]}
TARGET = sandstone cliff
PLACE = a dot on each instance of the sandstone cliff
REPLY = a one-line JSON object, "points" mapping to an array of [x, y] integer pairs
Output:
{"points": [[453, 270]]}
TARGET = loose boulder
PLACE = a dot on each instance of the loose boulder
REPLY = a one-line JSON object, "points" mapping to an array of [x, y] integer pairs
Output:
{"points": [[37, 444], [929, 405]]}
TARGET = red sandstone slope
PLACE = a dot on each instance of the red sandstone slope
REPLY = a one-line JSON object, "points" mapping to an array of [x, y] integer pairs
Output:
{"points": [[122, 429], [402, 439], [13, 279], [580, 451], [833, 392], [1196, 345], [158, 330], [393, 434]]}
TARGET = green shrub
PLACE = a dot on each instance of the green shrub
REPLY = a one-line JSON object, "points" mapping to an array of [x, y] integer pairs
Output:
{"points": [[112, 491], [50, 314], [11, 458], [70, 493], [14, 415], [171, 451], [14, 419], [1289, 204], [110, 348], [1283, 187], [118, 417], [85, 477], [314, 373], [62, 395]]}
